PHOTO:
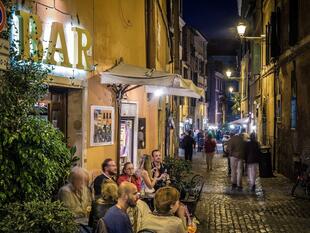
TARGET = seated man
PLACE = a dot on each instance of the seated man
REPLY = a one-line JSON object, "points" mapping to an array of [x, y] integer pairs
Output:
{"points": [[75, 195], [116, 218], [157, 165], [109, 170]]}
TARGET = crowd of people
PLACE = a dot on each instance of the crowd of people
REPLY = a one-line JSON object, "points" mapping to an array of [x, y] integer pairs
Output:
{"points": [[113, 204], [242, 150]]}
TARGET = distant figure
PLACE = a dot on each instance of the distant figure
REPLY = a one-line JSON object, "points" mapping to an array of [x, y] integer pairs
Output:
{"points": [[252, 156], [75, 195], [189, 144], [236, 150], [200, 141], [210, 146], [109, 170], [116, 218]]}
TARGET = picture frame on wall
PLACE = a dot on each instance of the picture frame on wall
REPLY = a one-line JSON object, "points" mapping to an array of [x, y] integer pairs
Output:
{"points": [[102, 121]]}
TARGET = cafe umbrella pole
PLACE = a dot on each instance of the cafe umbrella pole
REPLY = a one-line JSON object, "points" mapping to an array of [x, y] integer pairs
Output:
{"points": [[119, 91]]}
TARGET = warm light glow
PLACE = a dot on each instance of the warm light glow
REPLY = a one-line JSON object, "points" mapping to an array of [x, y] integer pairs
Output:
{"points": [[231, 89], [158, 92], [228, 73], [241, 29]]}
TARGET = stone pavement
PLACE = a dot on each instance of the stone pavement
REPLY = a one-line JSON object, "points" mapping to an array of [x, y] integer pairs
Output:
{"points": [[270, 209]]}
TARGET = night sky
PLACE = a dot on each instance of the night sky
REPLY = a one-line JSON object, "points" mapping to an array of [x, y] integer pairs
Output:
{"points": [[215, 18]]}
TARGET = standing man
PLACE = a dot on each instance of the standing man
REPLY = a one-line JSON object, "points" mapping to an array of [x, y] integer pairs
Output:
{"points": [[189, 144], [236, 150], [252, 157], [157, 164], [116, 218], [109, 170]]}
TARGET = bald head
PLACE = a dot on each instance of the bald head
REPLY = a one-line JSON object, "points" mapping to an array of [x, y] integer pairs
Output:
{"points": [[127, 195], [126, 188]]}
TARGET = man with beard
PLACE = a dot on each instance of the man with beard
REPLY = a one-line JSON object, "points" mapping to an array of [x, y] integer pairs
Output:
{"points": [[109, 170], [157, 165], [116, 218]]}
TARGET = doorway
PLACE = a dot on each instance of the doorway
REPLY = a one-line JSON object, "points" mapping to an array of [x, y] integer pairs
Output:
{"points": [[127, 140]]}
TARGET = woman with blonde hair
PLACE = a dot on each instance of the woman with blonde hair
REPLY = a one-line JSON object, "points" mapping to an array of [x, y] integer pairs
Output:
{"points": [[169, 214], [144, 172], [100, 206]]}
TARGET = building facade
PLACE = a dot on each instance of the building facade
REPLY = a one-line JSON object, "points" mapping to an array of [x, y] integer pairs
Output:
{"points": [[275, 73], [193, 65], [83, 39]]}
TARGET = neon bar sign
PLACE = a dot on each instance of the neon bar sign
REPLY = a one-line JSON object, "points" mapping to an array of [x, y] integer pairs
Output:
{"points": [[51, 47]]}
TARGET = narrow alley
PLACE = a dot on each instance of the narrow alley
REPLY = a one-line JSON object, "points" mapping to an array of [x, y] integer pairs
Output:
{"points": [[270, 209]]}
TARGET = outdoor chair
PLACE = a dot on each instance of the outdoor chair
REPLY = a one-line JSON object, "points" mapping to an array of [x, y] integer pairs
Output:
{"points": [[101, 227], [193, 194]]}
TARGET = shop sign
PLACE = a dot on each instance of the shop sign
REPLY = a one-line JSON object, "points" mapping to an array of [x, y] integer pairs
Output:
{"points": [[54, 44]]}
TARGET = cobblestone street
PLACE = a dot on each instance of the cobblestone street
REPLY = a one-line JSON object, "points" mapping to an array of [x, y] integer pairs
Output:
{"points": [[270, 209]]}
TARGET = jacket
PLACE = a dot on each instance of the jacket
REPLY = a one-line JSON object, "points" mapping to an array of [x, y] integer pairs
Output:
{"points": [[252, 152], [236, 147]]}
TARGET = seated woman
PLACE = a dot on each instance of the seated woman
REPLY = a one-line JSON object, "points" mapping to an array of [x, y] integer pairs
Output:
{"points": [[76, 195], [100, 206], [169, 215], [128, 175], [147, 181]]}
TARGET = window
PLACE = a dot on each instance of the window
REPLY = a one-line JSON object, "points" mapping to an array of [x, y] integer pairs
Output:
{"points": [[293, 98], [293, 22]]}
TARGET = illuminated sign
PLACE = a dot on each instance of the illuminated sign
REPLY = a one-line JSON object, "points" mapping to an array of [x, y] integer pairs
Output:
{"points": [[57, 45]]}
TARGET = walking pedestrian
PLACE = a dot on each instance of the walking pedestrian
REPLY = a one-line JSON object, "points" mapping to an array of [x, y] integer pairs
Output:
{"points": [[189, 144], [210, 146], [252, 157], [236, 150]]}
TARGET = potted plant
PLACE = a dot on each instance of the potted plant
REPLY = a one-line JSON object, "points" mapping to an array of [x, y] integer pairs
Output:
{"points": [[179, 171]]}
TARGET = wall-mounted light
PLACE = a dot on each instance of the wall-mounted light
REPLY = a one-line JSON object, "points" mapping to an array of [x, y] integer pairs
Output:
{"points": [[158, 92], [228, 73], [241, 28]]}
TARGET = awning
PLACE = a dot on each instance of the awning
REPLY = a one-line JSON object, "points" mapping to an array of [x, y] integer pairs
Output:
{"points": [[241, 121], [154, 81]]}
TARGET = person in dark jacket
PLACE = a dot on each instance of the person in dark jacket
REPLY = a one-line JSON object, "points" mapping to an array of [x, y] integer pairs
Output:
{"points": [[252, 156], [100, 206], [189, 144]]}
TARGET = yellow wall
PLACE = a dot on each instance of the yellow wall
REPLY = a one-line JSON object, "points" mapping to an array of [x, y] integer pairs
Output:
{"points": [[118, 31]]}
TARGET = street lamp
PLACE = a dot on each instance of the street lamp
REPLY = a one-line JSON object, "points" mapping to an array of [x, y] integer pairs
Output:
{"points": [[241, 31], [228, 73]]}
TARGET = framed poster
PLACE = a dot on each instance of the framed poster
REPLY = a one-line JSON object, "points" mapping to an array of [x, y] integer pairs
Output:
{"points": [[141, 133], [101, 125]]}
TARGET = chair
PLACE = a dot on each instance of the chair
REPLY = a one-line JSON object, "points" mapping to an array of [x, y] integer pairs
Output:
{"points": [[101, 227], [193, 195], [146, 231]]}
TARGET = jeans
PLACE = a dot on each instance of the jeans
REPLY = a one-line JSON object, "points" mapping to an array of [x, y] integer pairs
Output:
{"points": [[236, 165], [252, 171]]}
